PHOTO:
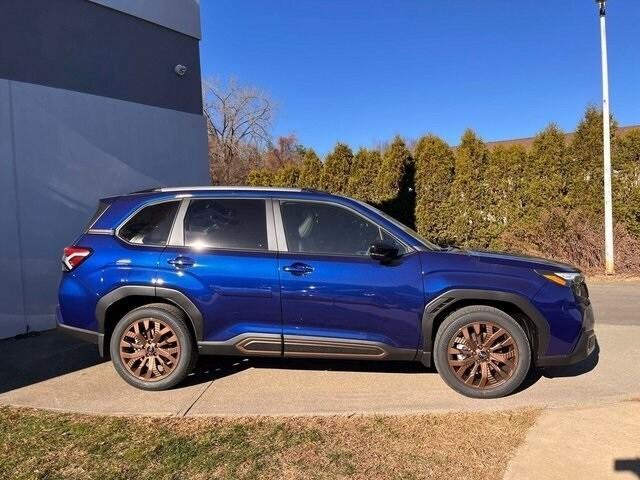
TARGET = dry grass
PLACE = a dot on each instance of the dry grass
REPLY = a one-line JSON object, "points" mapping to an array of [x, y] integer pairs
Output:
{"points": [[45, 445]]}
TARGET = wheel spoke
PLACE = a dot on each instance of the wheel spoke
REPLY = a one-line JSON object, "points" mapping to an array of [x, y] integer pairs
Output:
{"points": [[492, 339], [470, 342], [134, 355], [482, 355], [502, 374], [472, 374], [484, 375], [149, 349], [461, 363]]}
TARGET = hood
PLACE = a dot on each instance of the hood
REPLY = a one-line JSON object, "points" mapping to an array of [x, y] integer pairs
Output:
{"points": [[526, 261]]}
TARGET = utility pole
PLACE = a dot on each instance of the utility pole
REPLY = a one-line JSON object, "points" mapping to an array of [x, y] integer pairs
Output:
{"points": [[606, 137]]}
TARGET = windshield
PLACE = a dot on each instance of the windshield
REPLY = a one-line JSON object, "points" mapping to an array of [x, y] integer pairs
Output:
{"points": [[426, 243]]}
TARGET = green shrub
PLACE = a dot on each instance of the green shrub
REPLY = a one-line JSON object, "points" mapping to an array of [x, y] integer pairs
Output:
{"points": [[261, 177], [468, 201], [336, 170], [362, 182], [505, 180], [626, 181], [310, 170], [395, 185], [434, 162], [287, 176]]}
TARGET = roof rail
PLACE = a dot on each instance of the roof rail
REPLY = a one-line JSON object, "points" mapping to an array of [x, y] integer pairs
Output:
{"points": [[204, 188], [227, 188]]}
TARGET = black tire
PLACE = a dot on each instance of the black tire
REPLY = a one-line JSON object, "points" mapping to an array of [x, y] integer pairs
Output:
{"points": [[452, 329], [171, 317]]}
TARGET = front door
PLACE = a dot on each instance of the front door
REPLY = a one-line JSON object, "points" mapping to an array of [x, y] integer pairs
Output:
{"points": [[223, 260], [336, 300]]}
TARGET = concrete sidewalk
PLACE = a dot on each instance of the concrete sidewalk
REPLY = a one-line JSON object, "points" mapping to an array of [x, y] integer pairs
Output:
{"points": [[581, 443]]}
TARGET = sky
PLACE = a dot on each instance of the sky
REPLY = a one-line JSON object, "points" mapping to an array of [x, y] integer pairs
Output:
{"points": [[362, 71]]}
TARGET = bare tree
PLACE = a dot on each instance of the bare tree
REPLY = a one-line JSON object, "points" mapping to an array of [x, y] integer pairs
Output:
{"points": [[283, 151], [239, 120]]}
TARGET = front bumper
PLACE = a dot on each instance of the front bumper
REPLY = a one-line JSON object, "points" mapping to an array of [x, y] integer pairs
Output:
{"points": [[585, 345]]}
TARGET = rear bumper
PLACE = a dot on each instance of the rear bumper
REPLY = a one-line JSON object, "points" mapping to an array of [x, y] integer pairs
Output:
{"points": [[80, 333], [585, 345]]}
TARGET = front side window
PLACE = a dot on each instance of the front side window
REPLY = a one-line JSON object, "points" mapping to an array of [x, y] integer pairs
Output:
{"points": [[151, 225], [322, 228], [238, 224]]}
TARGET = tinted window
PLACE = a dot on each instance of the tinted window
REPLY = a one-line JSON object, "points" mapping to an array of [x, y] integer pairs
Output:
{"points": [[322, 228], [151, 225], [226, 223]]}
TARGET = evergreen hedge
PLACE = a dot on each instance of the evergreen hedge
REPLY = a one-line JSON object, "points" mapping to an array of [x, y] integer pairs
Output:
{"points": [[544, 198]]}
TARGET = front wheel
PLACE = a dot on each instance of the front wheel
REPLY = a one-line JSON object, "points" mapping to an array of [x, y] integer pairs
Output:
{"points": [[482, 352], [152, 347]]}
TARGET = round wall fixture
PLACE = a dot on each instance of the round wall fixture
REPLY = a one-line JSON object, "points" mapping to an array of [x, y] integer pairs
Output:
{"points": [[180, 70]]}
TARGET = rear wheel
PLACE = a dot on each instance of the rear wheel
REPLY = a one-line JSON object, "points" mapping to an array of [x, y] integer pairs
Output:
{"points": [[152, 347], [482, 352]]}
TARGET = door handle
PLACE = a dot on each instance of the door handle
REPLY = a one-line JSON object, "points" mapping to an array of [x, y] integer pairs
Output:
{"points": [[181, 261], [298, 269]]}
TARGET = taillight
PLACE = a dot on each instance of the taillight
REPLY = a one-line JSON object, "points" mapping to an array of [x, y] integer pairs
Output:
{"points": [[74, 256]]}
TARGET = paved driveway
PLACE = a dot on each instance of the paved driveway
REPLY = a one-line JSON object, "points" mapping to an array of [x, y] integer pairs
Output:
{"points": [[51, 371]]}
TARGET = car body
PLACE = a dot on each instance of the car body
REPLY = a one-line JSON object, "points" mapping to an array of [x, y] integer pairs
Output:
{"points": [[302, 273]]}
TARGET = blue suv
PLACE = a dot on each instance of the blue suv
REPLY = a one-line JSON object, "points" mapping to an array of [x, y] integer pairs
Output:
{"points": [[161, 276]]}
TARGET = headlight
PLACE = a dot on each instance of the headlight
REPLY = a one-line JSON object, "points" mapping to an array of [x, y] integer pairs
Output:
{"points": [[561, 278]]}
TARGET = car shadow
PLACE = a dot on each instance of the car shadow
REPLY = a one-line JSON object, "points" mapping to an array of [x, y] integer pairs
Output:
{"points": [[627, 465], [211, 368], [39, 356], [574, 370]]}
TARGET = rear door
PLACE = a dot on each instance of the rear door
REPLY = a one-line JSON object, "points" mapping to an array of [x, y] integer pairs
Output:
{"points": [[222, 255], [336, 300]]}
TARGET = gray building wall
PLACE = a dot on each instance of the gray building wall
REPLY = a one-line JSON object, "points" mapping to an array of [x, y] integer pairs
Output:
{"points": [[83, 128]]}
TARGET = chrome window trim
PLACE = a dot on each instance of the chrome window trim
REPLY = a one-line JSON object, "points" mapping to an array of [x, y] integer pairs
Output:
{"points": [[269, 222], [281, 231], [136, 211], [100, 231]]}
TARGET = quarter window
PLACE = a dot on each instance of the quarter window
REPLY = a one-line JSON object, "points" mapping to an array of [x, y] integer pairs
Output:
{"points": [[226, 223], [322, 228], [151, 225]]}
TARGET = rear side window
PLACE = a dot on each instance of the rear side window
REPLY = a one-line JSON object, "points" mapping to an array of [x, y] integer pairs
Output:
{"points": [[151, 225], [226, 223]]}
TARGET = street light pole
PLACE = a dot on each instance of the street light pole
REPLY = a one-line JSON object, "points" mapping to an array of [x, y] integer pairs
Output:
{"points": [[608, 202]]}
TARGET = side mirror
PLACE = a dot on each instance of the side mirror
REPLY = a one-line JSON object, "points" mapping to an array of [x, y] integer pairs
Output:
{"points": [[383, 252]]}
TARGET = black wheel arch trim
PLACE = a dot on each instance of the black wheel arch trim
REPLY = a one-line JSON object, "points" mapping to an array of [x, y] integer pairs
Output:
{"points": [[175, 297], [451, 297]]}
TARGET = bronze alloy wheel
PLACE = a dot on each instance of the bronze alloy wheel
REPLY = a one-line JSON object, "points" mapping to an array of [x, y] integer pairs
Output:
{"points": [[482, 355], [149, 349]]}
